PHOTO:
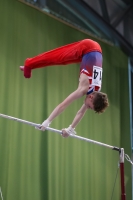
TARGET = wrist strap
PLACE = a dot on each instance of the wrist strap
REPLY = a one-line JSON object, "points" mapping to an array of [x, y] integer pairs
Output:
{"points": [[46, 123], [70, 130]]}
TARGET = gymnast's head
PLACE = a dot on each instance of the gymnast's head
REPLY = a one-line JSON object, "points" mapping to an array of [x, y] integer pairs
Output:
{"points": [[97, 101]]}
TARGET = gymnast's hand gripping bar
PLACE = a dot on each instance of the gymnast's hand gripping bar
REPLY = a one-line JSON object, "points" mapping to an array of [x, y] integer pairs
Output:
{"points": [[60, 132]]}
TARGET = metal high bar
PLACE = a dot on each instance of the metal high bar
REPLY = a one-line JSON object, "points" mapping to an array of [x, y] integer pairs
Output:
{"points": [[59, 131]]}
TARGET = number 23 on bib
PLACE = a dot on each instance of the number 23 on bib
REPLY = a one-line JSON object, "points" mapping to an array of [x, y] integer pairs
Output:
{"points": [[97, 76]]}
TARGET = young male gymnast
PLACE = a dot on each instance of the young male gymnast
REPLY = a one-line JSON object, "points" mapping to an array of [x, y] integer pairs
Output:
{"points": [[89, 54]]}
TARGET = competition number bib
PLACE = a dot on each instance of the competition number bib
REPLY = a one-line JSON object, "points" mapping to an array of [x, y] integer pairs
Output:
{"points": [[97, 76]]}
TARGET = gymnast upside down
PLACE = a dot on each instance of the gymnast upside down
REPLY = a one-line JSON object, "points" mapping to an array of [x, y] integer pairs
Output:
{"points": [[89, 54]]}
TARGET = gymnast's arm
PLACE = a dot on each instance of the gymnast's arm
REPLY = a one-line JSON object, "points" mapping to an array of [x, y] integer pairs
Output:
{"points": [[79, 116], [81, 91], [77, 119]]}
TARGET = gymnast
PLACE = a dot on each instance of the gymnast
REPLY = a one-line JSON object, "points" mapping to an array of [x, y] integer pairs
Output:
{"points": [[89, 54]]}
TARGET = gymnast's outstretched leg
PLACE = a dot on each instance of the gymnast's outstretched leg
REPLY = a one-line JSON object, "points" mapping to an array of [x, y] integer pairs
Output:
{"points": [[68, 54]]}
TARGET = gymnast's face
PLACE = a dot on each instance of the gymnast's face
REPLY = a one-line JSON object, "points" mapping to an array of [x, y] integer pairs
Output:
{"points": [[89, 101]]}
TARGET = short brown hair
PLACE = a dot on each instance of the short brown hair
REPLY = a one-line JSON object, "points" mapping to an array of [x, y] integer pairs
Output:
{"points": [[100, 102]]}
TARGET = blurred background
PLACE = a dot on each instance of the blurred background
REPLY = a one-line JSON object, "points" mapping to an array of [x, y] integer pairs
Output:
{"points": [[37, 165]]}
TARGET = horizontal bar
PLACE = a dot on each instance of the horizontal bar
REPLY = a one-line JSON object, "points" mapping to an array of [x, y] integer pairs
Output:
{"points": [[80, 138], [20, 120], [60, 132]]}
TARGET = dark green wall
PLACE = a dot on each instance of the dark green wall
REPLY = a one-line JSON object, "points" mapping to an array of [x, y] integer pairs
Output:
{"points": [[38, 165]]}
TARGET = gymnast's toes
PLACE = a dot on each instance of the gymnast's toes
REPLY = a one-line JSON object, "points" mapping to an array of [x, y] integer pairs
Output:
{"points": [[21, 68]]}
